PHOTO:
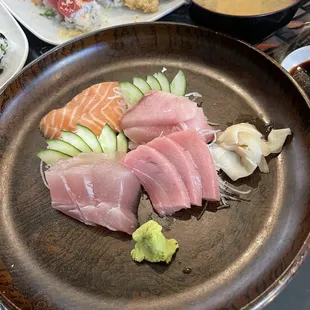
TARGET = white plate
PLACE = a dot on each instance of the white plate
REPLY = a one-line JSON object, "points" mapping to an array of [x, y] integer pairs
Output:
{"points": [[296, 58], [47, 30], [18, 46]]}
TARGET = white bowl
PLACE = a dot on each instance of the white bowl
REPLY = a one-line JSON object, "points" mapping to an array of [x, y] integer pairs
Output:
{"points": [[18, 46], [296, 58]]}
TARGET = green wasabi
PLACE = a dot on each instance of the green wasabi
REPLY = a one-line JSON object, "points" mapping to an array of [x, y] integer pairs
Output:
{"points": [[151, 245]]}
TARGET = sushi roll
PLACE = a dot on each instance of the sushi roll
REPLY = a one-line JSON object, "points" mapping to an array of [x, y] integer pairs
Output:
{"points": [[3, 49], [84, 17]]}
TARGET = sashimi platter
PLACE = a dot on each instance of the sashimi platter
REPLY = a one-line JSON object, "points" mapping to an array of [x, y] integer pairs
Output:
{"points": [[115, 138], [152, 166]]}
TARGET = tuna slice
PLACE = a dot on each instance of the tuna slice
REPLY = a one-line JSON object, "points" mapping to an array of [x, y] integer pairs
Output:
{"points": [[185, 165], [159, 114], [159, 178], [199, 122], [145, 134], [191, 141], [96, 190], [159, 108]]}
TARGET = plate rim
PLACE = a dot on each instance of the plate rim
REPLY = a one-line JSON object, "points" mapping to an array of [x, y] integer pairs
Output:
{"points": [[263, 299], [26, 48]]}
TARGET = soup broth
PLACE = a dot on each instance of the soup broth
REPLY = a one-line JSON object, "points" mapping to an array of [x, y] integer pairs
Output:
{"points": [[244, 7]]}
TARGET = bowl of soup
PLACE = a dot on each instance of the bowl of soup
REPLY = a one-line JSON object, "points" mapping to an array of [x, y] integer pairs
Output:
{"points": [[249, 20]]}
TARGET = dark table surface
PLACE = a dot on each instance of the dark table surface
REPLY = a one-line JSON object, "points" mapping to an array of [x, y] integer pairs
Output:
{"points": [[297, 294]]}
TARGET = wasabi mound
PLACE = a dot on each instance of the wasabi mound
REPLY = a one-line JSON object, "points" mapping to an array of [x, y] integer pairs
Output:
{"points": [[151, 245]]}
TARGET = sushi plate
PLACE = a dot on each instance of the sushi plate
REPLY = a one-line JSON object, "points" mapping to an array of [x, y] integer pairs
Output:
{"points": [[18, 46], [240, 257], [28, 14]]}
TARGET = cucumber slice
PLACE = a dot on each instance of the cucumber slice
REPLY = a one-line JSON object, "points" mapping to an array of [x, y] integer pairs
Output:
{"points": [[107, 139], [131, 93], [153, 82], [51, 156], [63, 147], [178, 84], [141, 84], [122, 143], [89, 138], [163, 81], [75, 140]]}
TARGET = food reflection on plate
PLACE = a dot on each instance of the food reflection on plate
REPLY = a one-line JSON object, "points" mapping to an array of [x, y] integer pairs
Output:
{"points": [[116, 138]]}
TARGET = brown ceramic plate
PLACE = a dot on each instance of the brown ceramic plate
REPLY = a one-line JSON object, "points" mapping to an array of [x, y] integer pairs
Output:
{"points": [[241, 256]]}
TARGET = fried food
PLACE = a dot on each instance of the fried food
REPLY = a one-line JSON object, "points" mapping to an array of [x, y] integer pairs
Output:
{"points": [[147, 6]]}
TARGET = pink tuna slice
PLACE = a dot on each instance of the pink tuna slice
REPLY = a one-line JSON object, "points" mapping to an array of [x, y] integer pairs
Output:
{"points": [[199, 123], [96, 190], [159, 178], [159, 114], [159, 108], [185, 165], [191, 141], [145, 134]]}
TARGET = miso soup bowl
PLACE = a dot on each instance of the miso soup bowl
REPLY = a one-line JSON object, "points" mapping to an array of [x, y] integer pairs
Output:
{"points": [[252, 28]]}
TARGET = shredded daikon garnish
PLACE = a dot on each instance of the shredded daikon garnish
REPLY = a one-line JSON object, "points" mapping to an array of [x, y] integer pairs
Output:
{"points": [[193, 94], [42, 174], [213, 124], [225, 187], [207, 132]]}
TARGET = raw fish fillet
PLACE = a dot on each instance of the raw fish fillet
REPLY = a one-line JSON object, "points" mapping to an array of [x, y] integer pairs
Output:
{"points": [[145, 134], [93, 108], [191, 141], [159, 108], [159, 178], [96, 190], [159, 114], [185, 165], [199, 122]]}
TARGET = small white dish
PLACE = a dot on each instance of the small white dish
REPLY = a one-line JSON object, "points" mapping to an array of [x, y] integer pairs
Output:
{"points": [[296, 58], [17, 46], [49, 31]]}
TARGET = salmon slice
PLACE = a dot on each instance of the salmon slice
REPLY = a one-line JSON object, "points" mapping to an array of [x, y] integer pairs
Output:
{"points": [[93, 108]]}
